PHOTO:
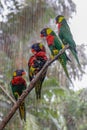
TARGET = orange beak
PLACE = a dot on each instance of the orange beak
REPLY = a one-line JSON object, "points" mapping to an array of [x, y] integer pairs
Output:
{"points": [[23, 73], [56, 22], [33, 51]]}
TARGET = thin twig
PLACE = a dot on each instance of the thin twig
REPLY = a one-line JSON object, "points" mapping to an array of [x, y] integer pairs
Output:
{"points": [[28, 90], [2, 88]]}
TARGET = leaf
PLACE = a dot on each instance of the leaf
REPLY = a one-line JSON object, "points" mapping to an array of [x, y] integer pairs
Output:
{"points": [[52, 82], [55, 122], [31, 123], [59, 92]]}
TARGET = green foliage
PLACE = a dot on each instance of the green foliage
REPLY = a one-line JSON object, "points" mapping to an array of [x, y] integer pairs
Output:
{"points": [[83, 127], [31, 123], [61, 105], [50, 82]]}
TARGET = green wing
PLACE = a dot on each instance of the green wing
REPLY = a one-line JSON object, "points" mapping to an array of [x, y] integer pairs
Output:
{"points": [[17, 91], [67, 38], [57, 45]]}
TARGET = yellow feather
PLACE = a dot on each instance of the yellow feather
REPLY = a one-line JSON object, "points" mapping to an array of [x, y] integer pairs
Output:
{"points": [[41, 45], [49, 31], [14, 74], [22, 110], [63, 46], [60, 19], [52, 57], [32, 69], [16, 95], [55, 52]]}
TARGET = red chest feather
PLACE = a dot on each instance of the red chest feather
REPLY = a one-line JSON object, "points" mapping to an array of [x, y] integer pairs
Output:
{"points": [[18, 81], [59, 26], [31, 61], [41, 54], [50, 40]]}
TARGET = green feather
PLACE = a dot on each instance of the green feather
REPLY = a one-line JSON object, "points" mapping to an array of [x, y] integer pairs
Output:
{"points": [[67, 38], [76, 57], [63, 63], [17, 91], [57, 44]]}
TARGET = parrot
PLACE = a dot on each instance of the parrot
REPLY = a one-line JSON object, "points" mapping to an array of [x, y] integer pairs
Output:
{"points": [[55, 45], [35, 64], [66, 36], [18, 85]]}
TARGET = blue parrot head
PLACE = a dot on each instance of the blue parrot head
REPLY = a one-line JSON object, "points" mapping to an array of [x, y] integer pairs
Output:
{"points": [[45, 32], [19, 72], [59, 19], [37, 47]]}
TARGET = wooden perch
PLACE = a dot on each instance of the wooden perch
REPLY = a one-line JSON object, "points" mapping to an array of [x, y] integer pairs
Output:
{"points": [[28, 90]]}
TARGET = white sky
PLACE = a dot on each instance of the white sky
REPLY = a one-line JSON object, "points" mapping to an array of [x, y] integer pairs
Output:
{"points": [[78, 27], [79, 22]]}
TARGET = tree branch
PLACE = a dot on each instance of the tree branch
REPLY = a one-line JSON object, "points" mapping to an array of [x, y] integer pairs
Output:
{"points": [[28, 90], [2, 88]]}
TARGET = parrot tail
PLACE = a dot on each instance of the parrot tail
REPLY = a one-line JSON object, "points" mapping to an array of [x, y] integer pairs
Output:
{"points": [[22, 111], [68, 58], [38, 87], [66, 72], [76, 57]]}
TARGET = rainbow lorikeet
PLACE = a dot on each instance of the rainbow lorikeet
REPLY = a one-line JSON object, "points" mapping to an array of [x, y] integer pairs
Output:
{"points": [[18, 85], [55, 45], [66, 35], [35, 64]]}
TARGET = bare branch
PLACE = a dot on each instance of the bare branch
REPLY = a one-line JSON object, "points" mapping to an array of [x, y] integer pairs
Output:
{"points": [[28, 90], [12, 100]]}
